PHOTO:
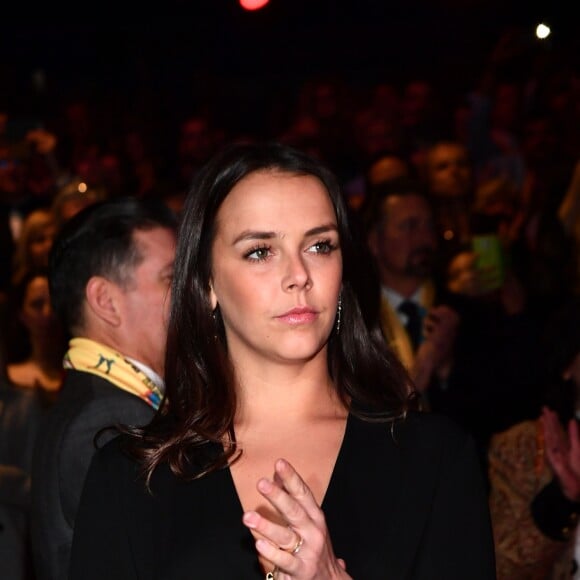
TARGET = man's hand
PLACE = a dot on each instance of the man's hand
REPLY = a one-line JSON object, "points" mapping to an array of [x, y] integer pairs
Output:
{"points": [[435, 353]]}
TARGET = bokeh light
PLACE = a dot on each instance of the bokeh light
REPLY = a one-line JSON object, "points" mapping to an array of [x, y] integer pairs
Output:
{"points": [[253, 4], [542, 31]]}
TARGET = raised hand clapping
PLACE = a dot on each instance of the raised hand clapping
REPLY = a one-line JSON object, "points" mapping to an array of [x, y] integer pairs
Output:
{"points": [[302, 548]]}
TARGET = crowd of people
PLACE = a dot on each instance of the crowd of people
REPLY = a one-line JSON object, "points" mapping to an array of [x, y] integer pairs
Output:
{"points": [[419, 253]]}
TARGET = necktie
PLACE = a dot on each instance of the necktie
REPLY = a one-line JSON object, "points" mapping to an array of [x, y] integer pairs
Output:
{"points": [[414, 321]]}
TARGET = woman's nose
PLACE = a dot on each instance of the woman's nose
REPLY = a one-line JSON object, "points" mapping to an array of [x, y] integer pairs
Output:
{"points": [[296, 275]]}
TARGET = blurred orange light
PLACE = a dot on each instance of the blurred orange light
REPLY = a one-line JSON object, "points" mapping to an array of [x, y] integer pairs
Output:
{"points": [[253, 4]]}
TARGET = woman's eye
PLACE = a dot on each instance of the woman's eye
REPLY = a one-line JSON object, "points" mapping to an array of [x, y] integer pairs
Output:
{"points": [[258, 254], [322, 247]]}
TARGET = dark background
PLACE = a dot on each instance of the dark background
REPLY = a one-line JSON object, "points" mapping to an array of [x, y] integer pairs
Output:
{"points": [[115, 41], [184, 52]]}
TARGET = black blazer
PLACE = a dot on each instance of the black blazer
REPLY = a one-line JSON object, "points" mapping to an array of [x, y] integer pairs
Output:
{"points": [[407, 504], [62, 454], [20, 415]]}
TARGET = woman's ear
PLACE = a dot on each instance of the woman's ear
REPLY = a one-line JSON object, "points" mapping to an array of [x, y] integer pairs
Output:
{"points": [[212, 297], [102, 299]]}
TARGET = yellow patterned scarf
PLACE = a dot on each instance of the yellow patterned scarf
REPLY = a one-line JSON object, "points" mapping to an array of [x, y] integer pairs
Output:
{"points": [[92, 357]]}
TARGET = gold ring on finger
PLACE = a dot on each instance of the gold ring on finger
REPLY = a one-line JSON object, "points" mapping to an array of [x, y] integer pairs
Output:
{"points": [[298, 545]]}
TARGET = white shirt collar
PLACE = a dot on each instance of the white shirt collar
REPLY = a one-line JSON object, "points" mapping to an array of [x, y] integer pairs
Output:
{"points": [[395, 299], [151, 374]]}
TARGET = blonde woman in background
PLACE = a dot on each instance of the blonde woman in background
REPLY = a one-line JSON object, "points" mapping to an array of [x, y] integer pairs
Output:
{"points": [[33, 243]]}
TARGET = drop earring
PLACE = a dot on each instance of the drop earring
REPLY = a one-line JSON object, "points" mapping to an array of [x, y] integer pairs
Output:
{"points": [[338, 313], [214, 315]]}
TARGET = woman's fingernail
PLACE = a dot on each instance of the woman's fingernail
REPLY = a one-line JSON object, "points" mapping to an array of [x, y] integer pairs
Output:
{"points": [[250, 519], [265, 486], [261, 544]]}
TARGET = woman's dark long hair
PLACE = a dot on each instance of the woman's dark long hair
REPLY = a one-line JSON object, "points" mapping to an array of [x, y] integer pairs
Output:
{"points": [[200, 398]]}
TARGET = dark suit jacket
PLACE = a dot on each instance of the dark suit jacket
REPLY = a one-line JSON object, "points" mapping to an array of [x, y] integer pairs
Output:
{"points": [[20, 413], [63, 452], [404, 505], [493, 381]]}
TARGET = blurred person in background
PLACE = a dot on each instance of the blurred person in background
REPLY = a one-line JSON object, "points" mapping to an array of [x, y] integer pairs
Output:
{"points": [[421, 117], [33, 243], [29, 171], [110, 271], [39, 366], [447, 174], [534, 468], [469, 358], [196, 141], [20, 416], [544, 250], [569, 215], [71, 198], [375, 136], [402, 239]]}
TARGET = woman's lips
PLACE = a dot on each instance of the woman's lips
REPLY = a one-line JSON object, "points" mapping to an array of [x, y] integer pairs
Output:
{"points": [[298, 316]]}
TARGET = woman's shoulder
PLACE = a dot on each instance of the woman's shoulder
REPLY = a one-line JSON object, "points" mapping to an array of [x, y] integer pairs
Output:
{"points": [[22, 374], [412, 423], [432, 424], [28, 375], [418, 433], [423, 449]]}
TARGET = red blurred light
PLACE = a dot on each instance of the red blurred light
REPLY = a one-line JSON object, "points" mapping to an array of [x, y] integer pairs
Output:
{"points": [[253, 4]]}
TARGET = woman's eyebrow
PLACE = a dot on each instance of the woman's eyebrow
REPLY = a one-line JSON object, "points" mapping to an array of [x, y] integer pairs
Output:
{"points": [[254, 235], [262, 235], [322, 229]]}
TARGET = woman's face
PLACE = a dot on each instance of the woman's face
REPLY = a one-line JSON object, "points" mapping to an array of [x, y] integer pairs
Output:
{"points": [[276, 267], [40, 243], [37, 314]]}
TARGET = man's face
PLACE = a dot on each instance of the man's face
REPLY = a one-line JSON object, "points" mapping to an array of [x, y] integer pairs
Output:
{"points": [[145, 301], [449, 171], [404, 241]]}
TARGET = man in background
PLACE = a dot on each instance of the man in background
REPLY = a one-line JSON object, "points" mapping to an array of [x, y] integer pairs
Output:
{"points": [[111, 268], [402, 239]]}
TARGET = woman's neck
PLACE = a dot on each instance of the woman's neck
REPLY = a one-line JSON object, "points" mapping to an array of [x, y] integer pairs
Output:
{"points": [[294, 395], [47, 355]]}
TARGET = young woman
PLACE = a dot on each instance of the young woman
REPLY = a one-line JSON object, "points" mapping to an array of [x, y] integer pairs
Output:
{"points": [[285, 446], [39, 365]]}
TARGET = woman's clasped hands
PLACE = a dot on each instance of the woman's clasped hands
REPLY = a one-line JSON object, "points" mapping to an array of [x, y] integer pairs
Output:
{"points": [[302, 548]]}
